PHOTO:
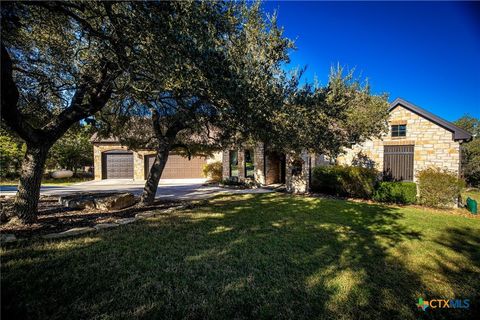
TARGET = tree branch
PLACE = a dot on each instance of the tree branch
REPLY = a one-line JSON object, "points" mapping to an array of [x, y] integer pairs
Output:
{"points": [[9, 109]]}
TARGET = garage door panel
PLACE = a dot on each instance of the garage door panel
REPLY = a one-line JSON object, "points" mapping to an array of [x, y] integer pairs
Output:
{"points": [[179, 167], [117, 166]]}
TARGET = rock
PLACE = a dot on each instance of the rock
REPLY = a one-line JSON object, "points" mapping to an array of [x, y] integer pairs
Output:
{"points": [[145, 215], [7, 238], [115, 202], [69, 233], [62, 174], [102, 226], [77, 202], [125, 220]]}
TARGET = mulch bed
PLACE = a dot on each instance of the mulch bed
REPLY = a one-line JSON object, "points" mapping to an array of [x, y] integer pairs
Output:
{"points": [[53, 217]]}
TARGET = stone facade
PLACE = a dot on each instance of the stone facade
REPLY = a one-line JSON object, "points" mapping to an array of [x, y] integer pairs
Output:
{"points": [[433, 145], [435, 142], [297, 178], [267, 165], [138, 159]]}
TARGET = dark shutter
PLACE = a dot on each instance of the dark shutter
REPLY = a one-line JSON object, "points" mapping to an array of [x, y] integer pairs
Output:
{"points": [[398, 163]]}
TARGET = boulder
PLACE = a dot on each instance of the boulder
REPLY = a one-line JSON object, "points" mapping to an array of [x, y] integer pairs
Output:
{"points": [[77, 202], [115, 202], [62, 174]]}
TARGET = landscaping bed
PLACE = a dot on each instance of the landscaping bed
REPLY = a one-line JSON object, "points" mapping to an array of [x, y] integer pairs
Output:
{"points": [[53, 217]]}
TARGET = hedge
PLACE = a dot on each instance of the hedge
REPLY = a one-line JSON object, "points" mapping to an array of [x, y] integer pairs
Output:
{"points": [[396, 192], [439, 188], [213, 171], [356, 182]]}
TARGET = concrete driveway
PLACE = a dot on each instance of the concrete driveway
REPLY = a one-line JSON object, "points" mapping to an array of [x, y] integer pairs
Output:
{"points": [[187, 189]]}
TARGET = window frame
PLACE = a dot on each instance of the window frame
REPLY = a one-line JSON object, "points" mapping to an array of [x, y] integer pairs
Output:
{"points": [[397, 130], [252, 161], [230, 164]]}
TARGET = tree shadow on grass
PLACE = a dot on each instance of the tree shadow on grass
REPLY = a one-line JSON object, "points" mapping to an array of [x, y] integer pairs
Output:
{"points": [[252, 256]]}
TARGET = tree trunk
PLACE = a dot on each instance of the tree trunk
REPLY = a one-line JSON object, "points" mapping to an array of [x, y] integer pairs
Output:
{"points": [[28, 193], [154, 175]]}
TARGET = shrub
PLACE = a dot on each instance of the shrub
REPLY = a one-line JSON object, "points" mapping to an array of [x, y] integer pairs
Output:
{"points": [[439, 188], [213, 171], [350, 181], [396, 192]]}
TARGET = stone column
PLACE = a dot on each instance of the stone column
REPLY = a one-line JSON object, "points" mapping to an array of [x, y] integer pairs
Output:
{"points": [[241, 164], [226, 164], [298, 182], [259, 155]]}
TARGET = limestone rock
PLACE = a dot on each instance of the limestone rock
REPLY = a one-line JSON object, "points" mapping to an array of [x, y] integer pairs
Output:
{"points": [[115, 202], [77, 202], [102, 226], [144, 215], [125, 220], [69, 233]]}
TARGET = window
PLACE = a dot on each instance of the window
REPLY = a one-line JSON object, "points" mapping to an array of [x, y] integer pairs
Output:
{"points": [[234, 164], [399, 130], [249, 164]]}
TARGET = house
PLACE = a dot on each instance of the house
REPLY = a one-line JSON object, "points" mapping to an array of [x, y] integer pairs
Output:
{"points": [[416, 139], [114, 161]]}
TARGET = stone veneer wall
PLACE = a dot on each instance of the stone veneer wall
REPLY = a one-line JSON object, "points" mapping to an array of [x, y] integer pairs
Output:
{"points": [[299, 183], [258, 151], [433, 145], [138, 159]]}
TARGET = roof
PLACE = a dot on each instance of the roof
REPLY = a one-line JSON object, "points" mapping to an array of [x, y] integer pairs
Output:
{"points": [[458, 133], [96, 139]]}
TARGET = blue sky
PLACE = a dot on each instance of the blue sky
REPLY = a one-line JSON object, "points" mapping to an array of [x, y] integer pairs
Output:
{"points": [[425, 52]]}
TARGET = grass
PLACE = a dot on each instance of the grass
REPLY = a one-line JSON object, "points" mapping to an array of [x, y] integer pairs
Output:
{"points": [[472, 193], [253, 256], [49, 181]]}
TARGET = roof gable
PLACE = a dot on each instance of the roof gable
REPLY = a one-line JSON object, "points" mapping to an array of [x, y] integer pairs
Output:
{"points": [[458, 133]]}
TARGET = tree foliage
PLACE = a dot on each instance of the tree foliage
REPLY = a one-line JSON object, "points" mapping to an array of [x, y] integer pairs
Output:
{"points": [[327, 119], [61, 63], [12, 149], [208, 78], [471, 150], [73, 150]]}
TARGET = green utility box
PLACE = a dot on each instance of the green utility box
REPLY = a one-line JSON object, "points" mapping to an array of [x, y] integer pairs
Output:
{"points": [[472, 205]]}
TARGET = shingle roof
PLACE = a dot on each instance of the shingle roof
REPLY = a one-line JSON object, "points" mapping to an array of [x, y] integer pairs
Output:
{"points": [[95, 138], [458, 133]]}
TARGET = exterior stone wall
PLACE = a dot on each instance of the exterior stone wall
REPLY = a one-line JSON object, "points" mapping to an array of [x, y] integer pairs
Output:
{"points": [[433, 145], [259, 160], [226, 164], [298, 183], [259, 163]]}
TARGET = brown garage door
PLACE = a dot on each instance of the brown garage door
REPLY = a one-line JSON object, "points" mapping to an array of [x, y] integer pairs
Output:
{"points": [[178, 167], [117, 165]]}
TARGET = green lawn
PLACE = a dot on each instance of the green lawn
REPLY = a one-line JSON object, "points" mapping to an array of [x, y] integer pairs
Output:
{"points": [[472, 193], [253, 256], [49, 181]]}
